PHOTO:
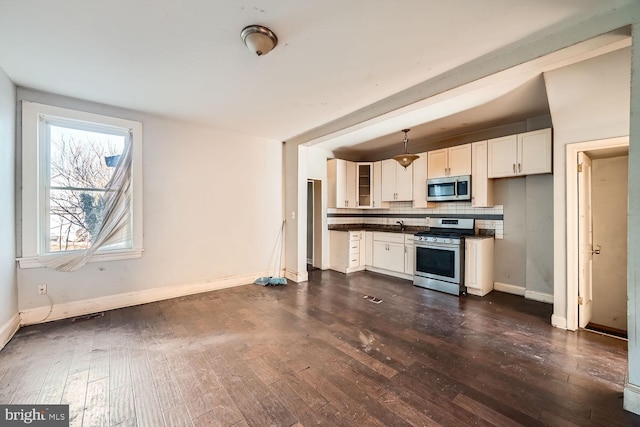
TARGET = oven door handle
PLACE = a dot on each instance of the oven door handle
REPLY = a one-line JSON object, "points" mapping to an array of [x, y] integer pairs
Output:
{"points": [[455, 189], [436, 245]]}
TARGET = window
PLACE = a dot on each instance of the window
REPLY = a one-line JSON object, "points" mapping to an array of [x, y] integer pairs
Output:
{"points": [[68, 158]]}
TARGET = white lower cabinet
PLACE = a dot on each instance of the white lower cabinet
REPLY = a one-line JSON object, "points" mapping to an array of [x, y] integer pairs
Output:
{"points": [[392, 253], [478, 265], [347, 251]]}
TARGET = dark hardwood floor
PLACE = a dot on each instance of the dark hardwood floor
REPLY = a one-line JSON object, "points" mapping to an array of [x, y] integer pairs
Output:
{"points": [[318, 353]]}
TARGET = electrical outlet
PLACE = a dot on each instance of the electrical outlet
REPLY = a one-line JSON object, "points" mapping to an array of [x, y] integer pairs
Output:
{"points": [[42, 289]]}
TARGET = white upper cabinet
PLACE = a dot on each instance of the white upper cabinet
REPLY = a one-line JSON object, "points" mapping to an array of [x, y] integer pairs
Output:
{"points": [[523, 154], [420, 182], [397, 182], [341, 178], [481, 185], [365, 183], [452, 161], [377, 187]]}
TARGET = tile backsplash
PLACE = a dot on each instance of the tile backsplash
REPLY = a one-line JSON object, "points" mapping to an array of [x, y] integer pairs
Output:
{"points": [[485, 218]]}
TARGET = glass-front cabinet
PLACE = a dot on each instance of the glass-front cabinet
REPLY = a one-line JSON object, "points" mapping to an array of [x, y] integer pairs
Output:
{"points": [[364, 187]]}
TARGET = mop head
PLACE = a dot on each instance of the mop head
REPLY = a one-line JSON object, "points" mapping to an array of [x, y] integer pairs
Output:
{"points": [[270, 281]]}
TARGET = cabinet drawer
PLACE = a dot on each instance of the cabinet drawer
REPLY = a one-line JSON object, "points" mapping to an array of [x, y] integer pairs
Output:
{"points": [[354, 260], [388, 237], [354, 247], [355, 235]]}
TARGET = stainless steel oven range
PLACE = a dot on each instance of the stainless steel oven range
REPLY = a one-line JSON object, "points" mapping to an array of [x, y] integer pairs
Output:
{"points": [[439, 255]]}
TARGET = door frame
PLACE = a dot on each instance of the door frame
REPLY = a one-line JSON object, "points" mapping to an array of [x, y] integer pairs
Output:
{"points": [[572, 213]]}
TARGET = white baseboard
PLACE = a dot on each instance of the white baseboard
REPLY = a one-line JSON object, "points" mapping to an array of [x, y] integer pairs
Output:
{"points": [[301, 276], [631, 398], [510, 289], [558, 321], [8, 330], [111, 302], [539, 296]]}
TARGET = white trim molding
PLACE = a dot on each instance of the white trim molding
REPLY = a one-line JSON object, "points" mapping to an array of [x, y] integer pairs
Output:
{"points": [[112, 302], [558, 321], [631, 397], [572, 212], [297, 277], [9, 329], [510, 289], [539, 296]]}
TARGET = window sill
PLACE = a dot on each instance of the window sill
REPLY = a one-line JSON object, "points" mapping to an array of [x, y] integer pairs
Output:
{"points": [[114, 255]]}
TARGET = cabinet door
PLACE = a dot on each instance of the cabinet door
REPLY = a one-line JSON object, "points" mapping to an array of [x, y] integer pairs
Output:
{"points": [[377, 202], [437, 163], [364, 188], [471, 264], [350, 184], [502, 156], [388, 189], [409, 263], [534, 152], [420, 181], [459, 160], [380, 255], [368, 248], [395, 257], [481, 186], [404, 183]]}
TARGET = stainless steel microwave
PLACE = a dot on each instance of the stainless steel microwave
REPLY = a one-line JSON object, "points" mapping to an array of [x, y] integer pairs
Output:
{"points": [[449, 189]]}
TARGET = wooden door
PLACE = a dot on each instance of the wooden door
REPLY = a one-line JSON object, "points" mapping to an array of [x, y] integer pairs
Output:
{"points": [[585, 241]]}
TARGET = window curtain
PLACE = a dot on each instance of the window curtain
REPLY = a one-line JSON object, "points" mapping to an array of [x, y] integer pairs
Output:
{"points": [[116, 218]]}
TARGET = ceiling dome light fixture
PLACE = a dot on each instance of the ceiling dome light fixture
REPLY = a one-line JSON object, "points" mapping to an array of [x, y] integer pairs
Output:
{"points": [[405, 159], [260, 40]]}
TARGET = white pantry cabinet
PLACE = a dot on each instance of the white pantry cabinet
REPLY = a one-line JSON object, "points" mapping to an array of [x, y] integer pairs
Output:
{"points": [[481, 185], [347, 251], [397, 182], [478, 265], [523, 154], [452, 161], [341, 181]]}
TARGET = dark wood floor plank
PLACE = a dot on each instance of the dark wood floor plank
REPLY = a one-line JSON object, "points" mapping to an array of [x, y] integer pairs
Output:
{"points": [[122, 409], [178, 416], [74, 395], [97, 404], [317, 353]]}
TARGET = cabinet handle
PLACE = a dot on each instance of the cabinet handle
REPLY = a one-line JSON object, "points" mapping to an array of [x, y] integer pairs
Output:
{"points": [[519, 167], [514, 168]]}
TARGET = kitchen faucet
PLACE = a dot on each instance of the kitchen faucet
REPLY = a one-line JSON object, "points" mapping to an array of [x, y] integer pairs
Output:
{"points": [[401, 225]]}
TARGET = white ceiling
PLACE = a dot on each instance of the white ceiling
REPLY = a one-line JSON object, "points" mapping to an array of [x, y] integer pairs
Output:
{"points": [[186, 60]]}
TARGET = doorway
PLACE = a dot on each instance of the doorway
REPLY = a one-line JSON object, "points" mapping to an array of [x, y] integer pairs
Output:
{"points": [[314, 224], [609, 193], [596, 235]]}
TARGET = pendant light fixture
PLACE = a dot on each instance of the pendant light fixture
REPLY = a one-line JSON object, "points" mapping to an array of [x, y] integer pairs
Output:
{"points": [[405, 159], [260, 40]]}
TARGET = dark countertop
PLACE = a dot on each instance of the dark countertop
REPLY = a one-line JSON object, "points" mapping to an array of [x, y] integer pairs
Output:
{"points": [[408, 229]]}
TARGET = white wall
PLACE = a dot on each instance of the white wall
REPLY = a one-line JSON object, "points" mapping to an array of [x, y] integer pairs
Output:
{"points": [[8, 289], [212, 211], [609, 209], [588, 101]]}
